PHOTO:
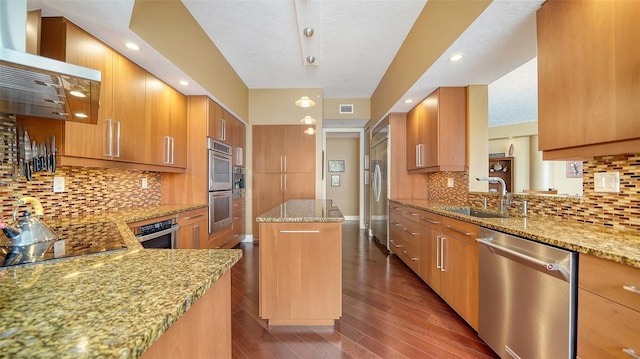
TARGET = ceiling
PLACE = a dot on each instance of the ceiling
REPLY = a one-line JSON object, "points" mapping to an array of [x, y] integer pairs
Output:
{"points": [[354, 43]]}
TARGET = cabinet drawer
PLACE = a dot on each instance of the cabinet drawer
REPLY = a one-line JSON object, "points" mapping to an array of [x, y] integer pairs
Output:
{"points": [[190, 217], [432, 221], [617, 282], [462, 230], [606, 328], [410, 256]]}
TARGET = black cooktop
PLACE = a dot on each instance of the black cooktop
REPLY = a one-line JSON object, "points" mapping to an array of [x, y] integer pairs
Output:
{"points": [[73, 240]]}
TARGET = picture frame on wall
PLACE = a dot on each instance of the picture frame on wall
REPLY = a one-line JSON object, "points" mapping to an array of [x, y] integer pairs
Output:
{"points": [[335, 180], [574, 169], [336, 166]]}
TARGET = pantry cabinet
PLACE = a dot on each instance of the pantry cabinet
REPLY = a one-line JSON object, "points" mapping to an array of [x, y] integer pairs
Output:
{"points": [[436, 132], [588, 102], [283, 166]]}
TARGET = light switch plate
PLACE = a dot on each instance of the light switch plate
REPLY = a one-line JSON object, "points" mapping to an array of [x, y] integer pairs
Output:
{"points": [[58, 184], [449, 182], [145, 183], [608, 182]]}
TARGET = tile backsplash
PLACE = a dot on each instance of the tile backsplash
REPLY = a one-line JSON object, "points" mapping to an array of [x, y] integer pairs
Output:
{"points": [[87, 190], [616, 210]]}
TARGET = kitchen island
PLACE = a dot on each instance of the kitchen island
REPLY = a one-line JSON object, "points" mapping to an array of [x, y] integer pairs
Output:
{"points": [[301, 263], [128, 303]]}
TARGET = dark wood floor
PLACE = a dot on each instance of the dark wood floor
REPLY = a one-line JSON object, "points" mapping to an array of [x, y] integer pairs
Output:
{"points": [[387, 312]]}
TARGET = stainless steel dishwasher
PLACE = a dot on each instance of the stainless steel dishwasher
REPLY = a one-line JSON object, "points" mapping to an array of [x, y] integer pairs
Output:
{"points": [[528, 297]]}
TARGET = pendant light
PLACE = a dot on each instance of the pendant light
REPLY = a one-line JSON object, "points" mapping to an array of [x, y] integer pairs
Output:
{"points": [[308, 120], [308, 31]]}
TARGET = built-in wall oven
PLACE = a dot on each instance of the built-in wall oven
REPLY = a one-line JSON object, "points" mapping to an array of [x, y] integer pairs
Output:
{"points": [[220, 185], [161, 234]]}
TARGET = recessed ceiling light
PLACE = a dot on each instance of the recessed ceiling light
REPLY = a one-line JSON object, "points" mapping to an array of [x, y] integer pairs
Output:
{"points": [[184, 82], [408, 100], [132, 46], [456, 57]]}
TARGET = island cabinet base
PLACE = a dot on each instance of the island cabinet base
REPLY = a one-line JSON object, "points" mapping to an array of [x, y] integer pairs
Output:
{"points": [[204, 331], [301, 273]]}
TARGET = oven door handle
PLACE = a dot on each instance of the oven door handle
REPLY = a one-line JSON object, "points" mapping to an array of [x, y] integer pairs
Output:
{"points": [[157, 234]]}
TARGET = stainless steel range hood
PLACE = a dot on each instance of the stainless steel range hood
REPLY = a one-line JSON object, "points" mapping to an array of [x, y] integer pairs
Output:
{"points": [[38, 86]]}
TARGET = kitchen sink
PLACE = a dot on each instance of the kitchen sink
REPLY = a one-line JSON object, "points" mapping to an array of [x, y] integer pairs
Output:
{"points": [[477, 213]]}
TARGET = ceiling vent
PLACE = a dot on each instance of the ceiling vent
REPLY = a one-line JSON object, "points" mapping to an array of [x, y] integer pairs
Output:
{"points": [[346, 109]]}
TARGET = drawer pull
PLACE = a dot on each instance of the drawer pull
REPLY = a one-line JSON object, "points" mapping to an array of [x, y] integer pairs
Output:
{"points": [[410, 213], [302, 231], [430, 221], [395, 244], [413, 259], [192, 217], [631, 288], [630, 352], [411, 233], [460, 231]]}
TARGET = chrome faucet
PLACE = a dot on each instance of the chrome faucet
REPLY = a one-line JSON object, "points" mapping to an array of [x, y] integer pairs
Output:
{"points": [[505, 198]]}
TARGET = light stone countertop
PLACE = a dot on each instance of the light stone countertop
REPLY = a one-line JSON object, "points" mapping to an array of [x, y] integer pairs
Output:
{"points": [[303, 210], [111, 305], [616, 245]]}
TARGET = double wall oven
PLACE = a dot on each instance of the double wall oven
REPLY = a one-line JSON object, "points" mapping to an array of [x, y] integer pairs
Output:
{"points": [[220, 185]]}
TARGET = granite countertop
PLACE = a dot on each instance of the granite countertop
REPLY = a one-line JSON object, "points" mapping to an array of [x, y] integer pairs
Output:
{"points": [[617, 245], [113, 304], [303, 210]]}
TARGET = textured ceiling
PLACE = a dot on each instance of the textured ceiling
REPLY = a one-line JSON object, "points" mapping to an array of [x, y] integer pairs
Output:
{"points": [[354, 42]]}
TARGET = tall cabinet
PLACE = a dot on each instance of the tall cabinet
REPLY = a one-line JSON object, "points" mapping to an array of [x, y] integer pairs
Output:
{"points": [[283, 166]]}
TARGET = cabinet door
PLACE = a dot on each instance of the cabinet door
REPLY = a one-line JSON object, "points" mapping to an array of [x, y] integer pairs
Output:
{"points": [[216, 121], [429, 130], [267, 193], [157, 108], [178, 126], [459, 280], [128, 110], [299, 186], [298, 149], [414, 117], [267, 149], [592, 96], [430, 252]]}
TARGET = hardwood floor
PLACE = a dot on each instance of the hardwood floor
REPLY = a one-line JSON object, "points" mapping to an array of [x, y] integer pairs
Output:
{"points": [[388, 312]]}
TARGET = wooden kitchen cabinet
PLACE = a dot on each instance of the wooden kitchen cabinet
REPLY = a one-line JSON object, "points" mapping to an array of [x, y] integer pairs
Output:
{"points": [[166, 123], [459, 273], [442, 251], [283, 167], [608, 309], [194, 227], [120, 135], [436, 132], [588, 102], [238, 221], [217, 123], [301, 273]]}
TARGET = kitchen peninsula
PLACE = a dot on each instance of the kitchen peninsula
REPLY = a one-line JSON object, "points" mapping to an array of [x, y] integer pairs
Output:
{"points": [[301, 263], [128, 303]]}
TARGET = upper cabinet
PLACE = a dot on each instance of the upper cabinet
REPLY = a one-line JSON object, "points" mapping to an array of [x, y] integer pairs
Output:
{"points": [[436, 132], [137, 111], [588, 78]]}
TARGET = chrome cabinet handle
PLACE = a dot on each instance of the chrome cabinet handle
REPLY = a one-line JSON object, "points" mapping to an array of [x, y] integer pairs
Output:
{"points": [[442, 269], [630, 352], [285, 163], [460, 231], [117, 139], [411, 233], [223, 129], [429, 220], [631, 288], [413, 259], [301, 231], [438, 266], [109, 133], [173, 147], [192, 217], [167, 148], [395, 244], [410, 213]]}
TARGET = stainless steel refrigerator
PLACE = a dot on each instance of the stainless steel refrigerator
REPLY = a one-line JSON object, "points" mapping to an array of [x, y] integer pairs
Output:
{"points": [[379, 157]]}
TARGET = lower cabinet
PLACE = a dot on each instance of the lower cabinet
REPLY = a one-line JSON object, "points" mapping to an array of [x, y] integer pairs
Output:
{"points": [[238, 225], [442, 251], [193, 229], [204, 331], [608, 309]]}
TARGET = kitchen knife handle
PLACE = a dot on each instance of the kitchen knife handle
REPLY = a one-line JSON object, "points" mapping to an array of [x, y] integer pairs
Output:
{"points": [[27, 170], [53, 163]]}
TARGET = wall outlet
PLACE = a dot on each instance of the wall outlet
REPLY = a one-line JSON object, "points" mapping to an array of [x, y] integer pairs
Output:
{"points": [[449, 182], [145, 183], [606, 182], [58, 184]]}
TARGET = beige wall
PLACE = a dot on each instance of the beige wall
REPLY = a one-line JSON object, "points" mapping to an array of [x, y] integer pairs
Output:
{"points": [[347, 195], [361, 109]]}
